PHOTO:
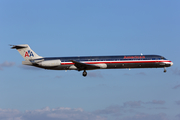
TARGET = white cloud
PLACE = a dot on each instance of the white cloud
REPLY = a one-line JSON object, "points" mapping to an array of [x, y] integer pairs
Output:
{"points": [[178, 116], [127, 111], [143, 116], [178, 102], [26, 67], [114, 109], [177, 86], [133, 104], [9, 114], [49, 114], [6, 64], [176, 71], [160, 102]]}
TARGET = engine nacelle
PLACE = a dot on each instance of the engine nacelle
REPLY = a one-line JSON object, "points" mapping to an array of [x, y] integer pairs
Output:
{"points": [[50, 63]]}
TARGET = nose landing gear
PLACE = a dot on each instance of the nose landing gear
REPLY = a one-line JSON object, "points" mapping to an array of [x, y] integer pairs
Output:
{"points": [[84, 73], [165, 69]]}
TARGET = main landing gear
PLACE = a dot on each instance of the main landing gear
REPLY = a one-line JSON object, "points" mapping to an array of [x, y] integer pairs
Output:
{"points": [[165, 69], [84, 73]]}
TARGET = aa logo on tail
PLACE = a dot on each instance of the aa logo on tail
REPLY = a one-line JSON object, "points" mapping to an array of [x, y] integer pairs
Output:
{"points": [[29, 54]]}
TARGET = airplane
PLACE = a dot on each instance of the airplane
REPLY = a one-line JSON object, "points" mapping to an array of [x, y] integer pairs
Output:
{"points": [[91, 62]]}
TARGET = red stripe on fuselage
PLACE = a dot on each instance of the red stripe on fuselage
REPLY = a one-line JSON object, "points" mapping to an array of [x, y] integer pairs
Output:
{"points": [[114, 62]]}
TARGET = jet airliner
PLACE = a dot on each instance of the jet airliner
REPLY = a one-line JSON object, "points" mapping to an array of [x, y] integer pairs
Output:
{"points": [[91, 62]]}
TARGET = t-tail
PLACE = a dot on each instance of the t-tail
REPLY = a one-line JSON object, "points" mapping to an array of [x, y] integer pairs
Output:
{"points": [[26, 52]]}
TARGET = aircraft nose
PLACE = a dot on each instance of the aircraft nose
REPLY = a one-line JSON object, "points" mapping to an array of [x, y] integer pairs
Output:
{"points": [[171, 63]]}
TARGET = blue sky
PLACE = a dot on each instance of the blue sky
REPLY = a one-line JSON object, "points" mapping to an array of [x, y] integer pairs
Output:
{"points": [[87, 28]]}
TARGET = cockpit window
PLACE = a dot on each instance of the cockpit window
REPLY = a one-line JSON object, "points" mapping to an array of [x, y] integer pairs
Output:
{"points": [[163, 58]]}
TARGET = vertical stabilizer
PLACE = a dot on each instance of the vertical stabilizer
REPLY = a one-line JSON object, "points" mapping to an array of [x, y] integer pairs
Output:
{"points": [[26, 52]]}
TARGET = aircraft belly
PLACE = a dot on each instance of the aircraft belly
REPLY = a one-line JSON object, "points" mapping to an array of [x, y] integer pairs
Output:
{"points": [[132, 65]]}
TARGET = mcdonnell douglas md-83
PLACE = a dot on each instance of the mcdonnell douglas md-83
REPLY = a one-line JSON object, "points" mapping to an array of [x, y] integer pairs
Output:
{"points": [[91, 62]]}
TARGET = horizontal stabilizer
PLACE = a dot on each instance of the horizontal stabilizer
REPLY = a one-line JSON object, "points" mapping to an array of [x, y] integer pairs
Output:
{"points": [[26, 62], [18, 46]]}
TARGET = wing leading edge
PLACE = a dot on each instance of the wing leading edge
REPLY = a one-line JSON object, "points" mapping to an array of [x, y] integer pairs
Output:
{"points": [[84, 66]]}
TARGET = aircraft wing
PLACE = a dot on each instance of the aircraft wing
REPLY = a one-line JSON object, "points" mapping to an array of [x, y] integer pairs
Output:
{"points": [[84, 66]]}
